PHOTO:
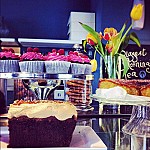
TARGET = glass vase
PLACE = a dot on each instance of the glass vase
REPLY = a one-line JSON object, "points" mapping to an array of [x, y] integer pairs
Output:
{"points": [[110, 68]]}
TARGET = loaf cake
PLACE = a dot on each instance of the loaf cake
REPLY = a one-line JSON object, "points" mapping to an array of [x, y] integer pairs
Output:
{"points": [[41, 123], [133, 87]]}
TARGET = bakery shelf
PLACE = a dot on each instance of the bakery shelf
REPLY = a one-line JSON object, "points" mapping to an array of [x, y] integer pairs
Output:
{"points": [[25, 75], [26, 42]]}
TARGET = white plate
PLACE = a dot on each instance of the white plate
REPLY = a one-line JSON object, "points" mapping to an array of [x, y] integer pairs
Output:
{"points": [[128, 100], [83, 137]]}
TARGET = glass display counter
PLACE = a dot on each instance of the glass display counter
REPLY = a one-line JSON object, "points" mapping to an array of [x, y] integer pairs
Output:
{"points": [[138, 126], [108, 126], [42, 84], [113, 128]]}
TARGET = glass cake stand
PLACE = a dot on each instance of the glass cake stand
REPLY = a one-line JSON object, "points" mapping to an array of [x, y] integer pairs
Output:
{"points": [[139, 123], [44, 84]]}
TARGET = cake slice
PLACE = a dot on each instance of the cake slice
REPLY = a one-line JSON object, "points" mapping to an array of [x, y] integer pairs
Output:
{"points": [[145, 90], [133, 87], [129, 86]]}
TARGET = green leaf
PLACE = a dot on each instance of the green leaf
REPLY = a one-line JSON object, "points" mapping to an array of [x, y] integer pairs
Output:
{"points": [[132, 36], [125, 64], [89, 29], [95, 35], [117, 40], [135, 38], [122, 30], [124, 43]]}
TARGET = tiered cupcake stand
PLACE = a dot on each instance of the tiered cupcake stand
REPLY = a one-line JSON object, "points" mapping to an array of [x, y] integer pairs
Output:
{"points": [[138, 125]]}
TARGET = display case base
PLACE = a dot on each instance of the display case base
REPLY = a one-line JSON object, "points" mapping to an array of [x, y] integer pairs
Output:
{"points": [[139, 123]]}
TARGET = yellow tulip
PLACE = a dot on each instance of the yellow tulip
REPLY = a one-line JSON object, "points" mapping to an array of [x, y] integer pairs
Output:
{"points": [[136, 12], [94, 65]]}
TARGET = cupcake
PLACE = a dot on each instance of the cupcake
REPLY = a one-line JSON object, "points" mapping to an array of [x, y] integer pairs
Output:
{"points": [[56, 62], [77, 65], [9, 61], [86, 62], [32, 61]]}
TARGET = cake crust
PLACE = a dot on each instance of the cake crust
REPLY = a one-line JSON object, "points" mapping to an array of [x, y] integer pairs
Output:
{"points": [[133, 87]]}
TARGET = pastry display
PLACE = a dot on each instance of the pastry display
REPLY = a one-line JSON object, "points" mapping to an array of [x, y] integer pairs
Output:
{"points": [[32, 61], [74, 63], [54, 62], [47, 123], [79, 92], [9, 61], [41, 123]]}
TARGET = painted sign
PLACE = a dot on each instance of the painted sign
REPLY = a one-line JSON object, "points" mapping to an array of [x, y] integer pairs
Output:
{"points": [[139, 61]]}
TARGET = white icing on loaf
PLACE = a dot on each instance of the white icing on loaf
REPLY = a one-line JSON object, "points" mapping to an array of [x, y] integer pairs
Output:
{"points": [[42, 109]]}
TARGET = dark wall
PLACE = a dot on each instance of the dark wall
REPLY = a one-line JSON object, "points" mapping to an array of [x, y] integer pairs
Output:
{"points": [[40, 18], [114, 13], [48, 18]]}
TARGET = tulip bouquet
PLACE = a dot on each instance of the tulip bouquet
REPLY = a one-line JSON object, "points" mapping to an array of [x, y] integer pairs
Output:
{"points": [[115, 43]]}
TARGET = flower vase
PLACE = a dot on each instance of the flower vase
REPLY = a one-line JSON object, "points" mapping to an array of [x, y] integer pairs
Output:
{"points": [[108, 70]]}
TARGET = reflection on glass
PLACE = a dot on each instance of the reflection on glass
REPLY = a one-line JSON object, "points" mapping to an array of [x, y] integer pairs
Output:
{"points": [[41, 88], [4, 31]]}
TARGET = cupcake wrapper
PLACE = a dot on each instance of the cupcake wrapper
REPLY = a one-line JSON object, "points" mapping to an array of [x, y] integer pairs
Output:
{"points": [[32, 66], [88, 69], [77, 68], [9, 65], [57, 66]]}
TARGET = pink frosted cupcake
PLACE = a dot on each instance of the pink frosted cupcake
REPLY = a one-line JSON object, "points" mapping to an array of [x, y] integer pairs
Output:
{"points": [[77, 63], [9, 61], [86, 61], [56, 62], [32, 61]]}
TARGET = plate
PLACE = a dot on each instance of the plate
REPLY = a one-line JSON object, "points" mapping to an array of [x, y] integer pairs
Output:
{"points": [[128, 100], [83, 137]]}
